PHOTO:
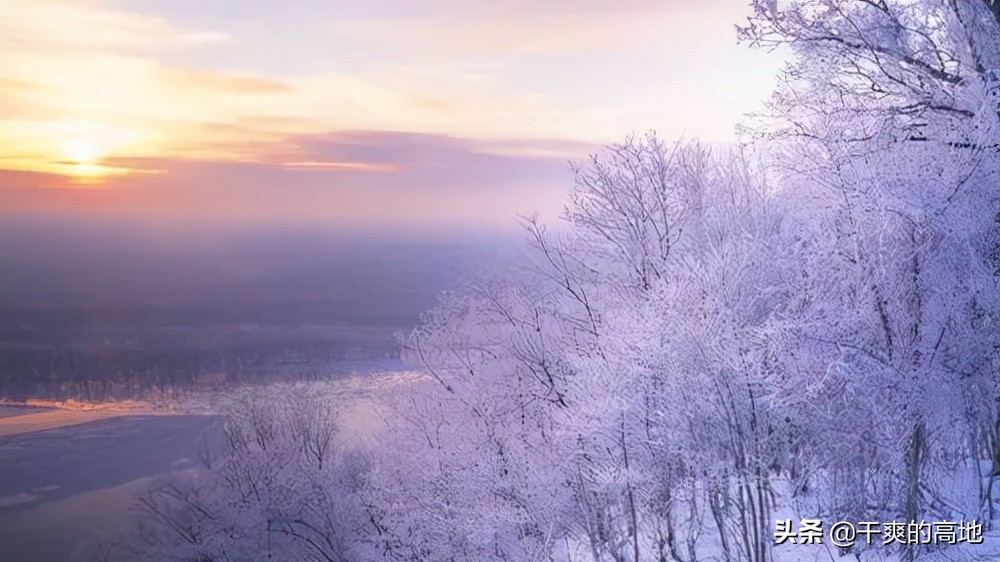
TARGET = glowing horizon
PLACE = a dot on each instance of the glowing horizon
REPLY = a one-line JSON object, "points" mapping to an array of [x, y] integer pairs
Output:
{"points": [[106, 96]]}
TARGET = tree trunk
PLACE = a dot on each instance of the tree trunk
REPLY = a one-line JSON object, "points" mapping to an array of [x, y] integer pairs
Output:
{"points": [[915, 453]]}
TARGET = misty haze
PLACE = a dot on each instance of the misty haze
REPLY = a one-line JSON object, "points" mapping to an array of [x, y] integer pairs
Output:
{"points": [[111, 309]]}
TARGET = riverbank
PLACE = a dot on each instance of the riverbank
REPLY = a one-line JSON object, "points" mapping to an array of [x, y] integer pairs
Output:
{"points": [[44, 415]]}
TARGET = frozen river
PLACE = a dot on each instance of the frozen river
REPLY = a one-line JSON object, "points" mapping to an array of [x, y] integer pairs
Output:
{"points": [[62, 487]]}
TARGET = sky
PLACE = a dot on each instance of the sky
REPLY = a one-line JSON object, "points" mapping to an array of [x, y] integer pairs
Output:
{"points": [[349, 113]]}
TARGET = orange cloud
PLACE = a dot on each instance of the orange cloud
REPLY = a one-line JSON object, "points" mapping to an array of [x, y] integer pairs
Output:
{"points": [[343, 166], [176, 79], [357, 179], [93, 92]]}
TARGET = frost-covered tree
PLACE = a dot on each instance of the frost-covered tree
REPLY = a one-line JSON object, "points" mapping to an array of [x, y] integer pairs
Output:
{"points": [[699, 337], [887, 116], [904, 65], [277, 483], [622, 397]]}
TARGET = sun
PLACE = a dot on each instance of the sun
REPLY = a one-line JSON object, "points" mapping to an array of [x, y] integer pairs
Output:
{"points": [[81, 151], [81, 158]]}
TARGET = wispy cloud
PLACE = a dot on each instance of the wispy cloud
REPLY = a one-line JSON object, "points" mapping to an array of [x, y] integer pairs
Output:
{"points": [[48, 24], [341, 166], [101, 84], [176, 103], [342, 179]]}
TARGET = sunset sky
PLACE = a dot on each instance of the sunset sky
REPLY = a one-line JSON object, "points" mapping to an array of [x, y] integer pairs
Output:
{"points": [[349, 112]]}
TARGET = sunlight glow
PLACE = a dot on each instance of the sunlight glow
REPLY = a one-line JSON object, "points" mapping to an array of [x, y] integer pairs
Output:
{"points": [[81, 159], [82, 151]]}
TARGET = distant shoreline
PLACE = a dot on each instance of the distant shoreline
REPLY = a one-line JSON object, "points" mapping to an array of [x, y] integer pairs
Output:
{"points": [[41, 418]]}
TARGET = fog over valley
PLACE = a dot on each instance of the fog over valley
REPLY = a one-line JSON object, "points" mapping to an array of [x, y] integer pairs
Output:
{"points": [[104, 300]]}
